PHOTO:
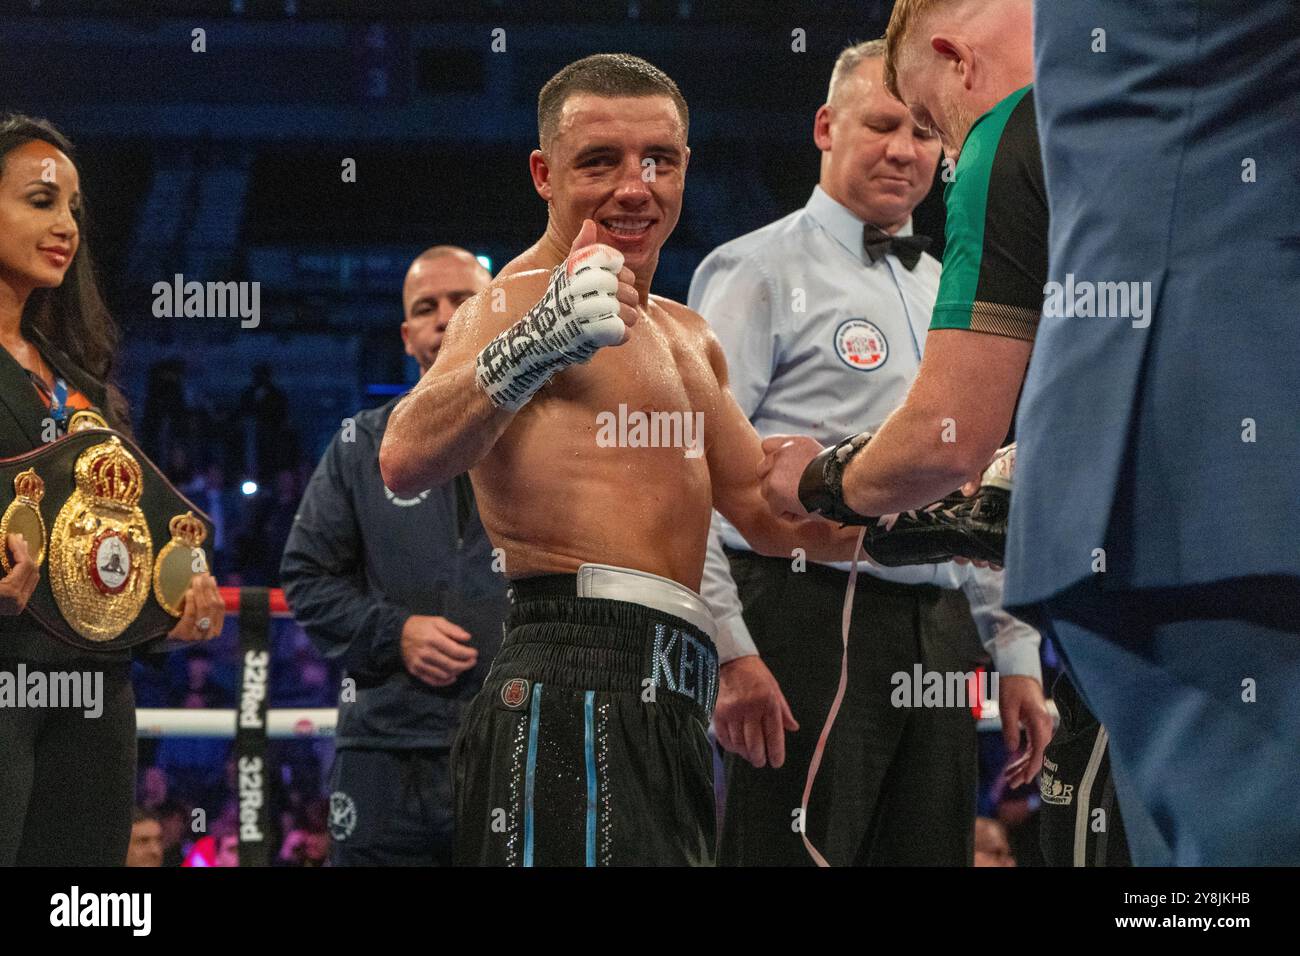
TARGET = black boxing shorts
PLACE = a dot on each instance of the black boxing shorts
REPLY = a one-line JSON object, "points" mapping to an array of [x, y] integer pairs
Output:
{"points": [[587, 745], [1080, 823]]}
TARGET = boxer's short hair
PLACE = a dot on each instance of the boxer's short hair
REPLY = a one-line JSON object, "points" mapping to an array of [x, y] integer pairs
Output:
{"points": [[850, 59], [604, 74], [905, 16]]}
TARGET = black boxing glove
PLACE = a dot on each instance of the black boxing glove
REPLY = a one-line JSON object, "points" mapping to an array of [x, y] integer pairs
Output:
{"points": [[955, 526], [973, 528]]}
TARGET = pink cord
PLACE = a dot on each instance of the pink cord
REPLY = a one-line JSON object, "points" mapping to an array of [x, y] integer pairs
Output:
{"points": [[835, 707]]}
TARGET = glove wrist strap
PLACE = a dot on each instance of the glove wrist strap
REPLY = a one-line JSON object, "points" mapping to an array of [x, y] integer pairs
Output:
{"points": [[821, 487]]}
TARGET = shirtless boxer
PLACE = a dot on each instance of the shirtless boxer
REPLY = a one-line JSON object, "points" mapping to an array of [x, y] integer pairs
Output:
{"points": [[587, 744]]}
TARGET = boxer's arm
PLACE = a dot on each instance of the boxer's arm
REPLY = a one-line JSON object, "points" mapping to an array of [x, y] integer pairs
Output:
{"points": [[500, 348], [447, 424], [734, 451], [956, 415]]}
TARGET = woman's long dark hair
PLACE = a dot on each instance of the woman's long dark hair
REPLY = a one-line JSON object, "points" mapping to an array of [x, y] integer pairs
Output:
{"points": [[70, 323]]}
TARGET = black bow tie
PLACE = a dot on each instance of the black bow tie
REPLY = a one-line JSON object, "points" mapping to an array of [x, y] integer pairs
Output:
{"points": [[879, 244]]}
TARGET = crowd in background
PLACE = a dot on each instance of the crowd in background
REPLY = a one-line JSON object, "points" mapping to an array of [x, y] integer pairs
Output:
{"points": [[246, 468], [244, 465]]}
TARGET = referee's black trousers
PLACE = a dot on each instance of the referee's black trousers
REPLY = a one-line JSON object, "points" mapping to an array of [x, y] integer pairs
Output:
{"points": [[897, 785]]}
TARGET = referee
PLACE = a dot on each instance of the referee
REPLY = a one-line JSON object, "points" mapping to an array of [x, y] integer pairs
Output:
{"points": [[403, 590]]}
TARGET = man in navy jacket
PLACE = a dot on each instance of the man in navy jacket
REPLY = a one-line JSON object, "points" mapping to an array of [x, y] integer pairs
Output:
{"points": [[407, 593]]}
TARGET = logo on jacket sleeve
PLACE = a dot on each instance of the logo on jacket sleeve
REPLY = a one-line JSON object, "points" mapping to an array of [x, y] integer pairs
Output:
{"points": [[514, 692], [861, 345], [343, 815], [406, 502]]}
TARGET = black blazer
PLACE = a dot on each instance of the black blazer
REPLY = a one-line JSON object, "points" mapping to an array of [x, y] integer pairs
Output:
{"points": [[21, 414]]}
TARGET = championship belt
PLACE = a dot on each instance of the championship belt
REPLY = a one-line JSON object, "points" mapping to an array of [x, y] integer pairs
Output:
{"points": [[122, 542]]}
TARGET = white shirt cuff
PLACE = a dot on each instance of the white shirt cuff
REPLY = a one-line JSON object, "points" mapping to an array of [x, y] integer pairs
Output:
{"points": [[733, 639], [1016, 654]]}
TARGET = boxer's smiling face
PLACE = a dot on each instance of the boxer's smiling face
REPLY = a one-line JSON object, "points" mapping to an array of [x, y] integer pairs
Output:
{"points": [[620, 161], [40, 201]]}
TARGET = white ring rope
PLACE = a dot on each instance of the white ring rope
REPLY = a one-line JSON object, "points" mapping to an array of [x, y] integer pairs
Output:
{"points": [[308, 722], [287, 724]]}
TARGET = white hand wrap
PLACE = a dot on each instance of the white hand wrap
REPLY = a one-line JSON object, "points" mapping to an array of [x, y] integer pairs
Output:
{"points": [[577, 316]]}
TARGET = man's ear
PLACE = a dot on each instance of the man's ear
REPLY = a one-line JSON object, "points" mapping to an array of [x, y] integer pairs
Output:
{"points": [[960, 56], [541, 173], [406, 339], [822, 127]]}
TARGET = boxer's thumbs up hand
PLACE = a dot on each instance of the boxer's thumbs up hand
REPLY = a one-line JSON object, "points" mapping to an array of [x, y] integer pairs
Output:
{"points": [[603, 289], [586, 236], [590, 303]]}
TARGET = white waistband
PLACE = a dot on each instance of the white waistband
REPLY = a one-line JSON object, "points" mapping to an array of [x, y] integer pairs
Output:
{"points": [[649, 590]]}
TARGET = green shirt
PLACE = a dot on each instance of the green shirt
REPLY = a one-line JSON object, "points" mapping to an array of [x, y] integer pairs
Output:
{"points": [[995, 256]]}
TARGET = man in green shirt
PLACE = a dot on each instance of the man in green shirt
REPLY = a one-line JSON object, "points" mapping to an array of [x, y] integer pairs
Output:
{"points": [[971, 85]]}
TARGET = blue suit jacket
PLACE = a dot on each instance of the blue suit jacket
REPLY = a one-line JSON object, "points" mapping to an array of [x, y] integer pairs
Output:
{"points": [[1132, 439]]}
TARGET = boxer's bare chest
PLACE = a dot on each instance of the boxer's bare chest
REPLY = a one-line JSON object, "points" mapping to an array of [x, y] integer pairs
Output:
{"points": [[663, 369], [608, 462]]}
